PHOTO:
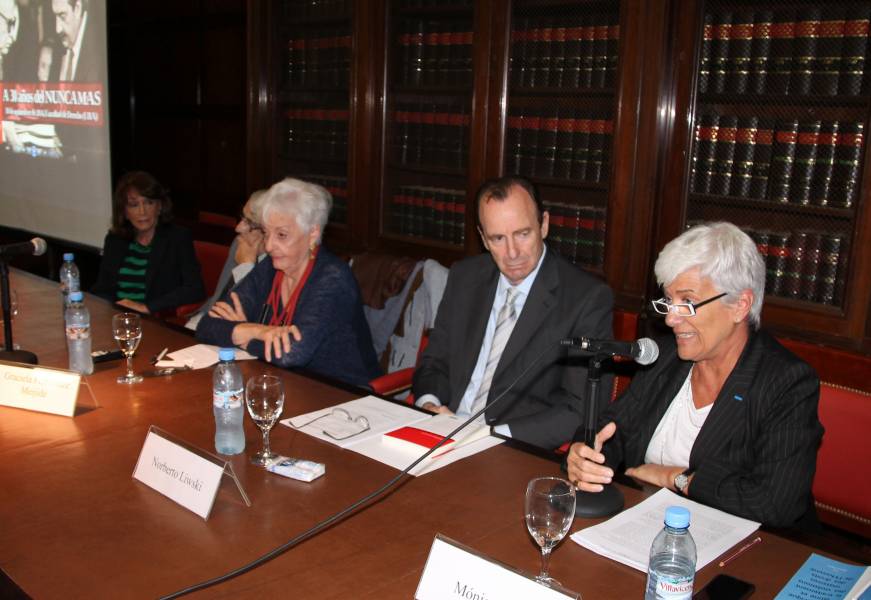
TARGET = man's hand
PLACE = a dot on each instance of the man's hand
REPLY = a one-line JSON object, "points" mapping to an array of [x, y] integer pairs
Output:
{"points": [[222, 310], [586, 465], [248, 246], [133, 305], [436, 408]]}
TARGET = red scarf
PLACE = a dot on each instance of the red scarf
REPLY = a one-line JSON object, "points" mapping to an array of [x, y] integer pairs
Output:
{"points": [[285, 317]]}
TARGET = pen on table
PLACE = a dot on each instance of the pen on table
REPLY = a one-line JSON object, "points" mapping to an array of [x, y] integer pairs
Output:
{"points": [[740, 551], [161, 355]]}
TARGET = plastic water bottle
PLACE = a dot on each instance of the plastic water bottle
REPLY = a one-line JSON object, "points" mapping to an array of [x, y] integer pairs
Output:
{"points": [[227, 393], [78, 328], [672, 567], [69, 278]]}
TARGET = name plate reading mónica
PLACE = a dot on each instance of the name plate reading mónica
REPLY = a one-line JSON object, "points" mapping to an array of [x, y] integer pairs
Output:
{"points": [[455, 571], [39, 388], [183, 473]]}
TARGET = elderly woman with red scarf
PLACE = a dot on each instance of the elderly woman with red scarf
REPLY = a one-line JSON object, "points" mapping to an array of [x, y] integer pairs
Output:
{"points": [[301, 308]]}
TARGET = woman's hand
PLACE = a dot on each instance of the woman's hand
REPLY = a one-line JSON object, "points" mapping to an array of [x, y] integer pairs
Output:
{"points": [[133, 305], [586, 466], [659, 475], [276, 339], [222, 310]]}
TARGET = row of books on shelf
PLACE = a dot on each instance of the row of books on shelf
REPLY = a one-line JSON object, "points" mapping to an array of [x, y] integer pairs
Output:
{"points": [[810, 50], [434, 53], [337, 186], [803, 265], [562, 144], [317, 132], [577, 232], [567, 52], [318, 58], [296, 9], [807, 162], [428, 212], [430, 135]]}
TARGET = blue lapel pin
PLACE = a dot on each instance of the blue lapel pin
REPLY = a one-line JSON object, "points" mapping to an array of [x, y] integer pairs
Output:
{"points": [[738, 398]]}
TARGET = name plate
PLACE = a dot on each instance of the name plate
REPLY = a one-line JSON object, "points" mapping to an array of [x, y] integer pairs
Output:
{"points": [[455, 571], [39, 388], [182, 473]]}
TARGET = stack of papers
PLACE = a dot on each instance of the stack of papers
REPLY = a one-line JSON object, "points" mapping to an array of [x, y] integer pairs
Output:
{"points": [[200, 356], [334, 426], [627, 537]]}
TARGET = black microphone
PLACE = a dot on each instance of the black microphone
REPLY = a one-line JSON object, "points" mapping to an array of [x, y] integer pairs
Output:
{"points": [[35, 247], [643, 351]]}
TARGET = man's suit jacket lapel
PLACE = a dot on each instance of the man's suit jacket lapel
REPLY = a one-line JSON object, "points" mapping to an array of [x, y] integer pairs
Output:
{"points": [[480, 296]]}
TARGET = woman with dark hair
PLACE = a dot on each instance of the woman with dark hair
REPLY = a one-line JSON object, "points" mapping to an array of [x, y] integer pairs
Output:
{"points": [[149, 264]]}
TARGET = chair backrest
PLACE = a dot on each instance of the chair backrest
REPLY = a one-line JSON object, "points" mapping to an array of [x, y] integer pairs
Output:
{"points": [[212, 218], [211, 257], [842, 484]]}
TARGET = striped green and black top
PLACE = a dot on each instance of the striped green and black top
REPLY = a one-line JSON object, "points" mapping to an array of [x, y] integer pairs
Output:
{"points": [[131, 275]]}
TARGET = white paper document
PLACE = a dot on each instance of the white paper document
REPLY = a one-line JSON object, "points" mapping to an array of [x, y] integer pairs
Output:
{"points": [[627, 536], [199, 356], [340, 425]]}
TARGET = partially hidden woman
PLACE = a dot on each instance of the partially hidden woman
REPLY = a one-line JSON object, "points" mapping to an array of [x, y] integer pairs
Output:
{"points": [[149, 264], [302, 307], [727, 416]]}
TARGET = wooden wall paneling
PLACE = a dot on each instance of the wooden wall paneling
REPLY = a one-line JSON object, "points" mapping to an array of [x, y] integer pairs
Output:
{"points": [[260, 95]]}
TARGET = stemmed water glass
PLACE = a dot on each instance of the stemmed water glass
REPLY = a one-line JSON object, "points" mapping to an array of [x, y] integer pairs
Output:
{"points": [[264, 397], [127, 329], [550, 508]]}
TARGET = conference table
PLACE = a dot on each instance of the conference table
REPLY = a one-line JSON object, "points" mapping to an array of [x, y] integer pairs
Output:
{"points": [[74, 523]]}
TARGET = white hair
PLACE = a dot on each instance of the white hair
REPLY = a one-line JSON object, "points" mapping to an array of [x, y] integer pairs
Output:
{"points": [[255, 203], [724, 254], [308, 203]]}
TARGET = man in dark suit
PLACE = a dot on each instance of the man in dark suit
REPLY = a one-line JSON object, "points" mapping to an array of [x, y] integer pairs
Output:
{"points": [[78, 31], [505, 313]]}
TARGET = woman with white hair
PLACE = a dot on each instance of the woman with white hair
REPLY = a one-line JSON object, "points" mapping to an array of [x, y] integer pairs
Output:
{"points": [[301, 308], [726, 416]]}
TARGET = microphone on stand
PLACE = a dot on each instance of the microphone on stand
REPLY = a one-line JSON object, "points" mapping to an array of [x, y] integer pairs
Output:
{"points": [[644, 351], [35, 247]]}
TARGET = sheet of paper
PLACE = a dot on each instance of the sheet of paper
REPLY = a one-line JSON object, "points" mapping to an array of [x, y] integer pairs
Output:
{"points": [[334, 426], [199, 356], [627, 537], [822, 578]]}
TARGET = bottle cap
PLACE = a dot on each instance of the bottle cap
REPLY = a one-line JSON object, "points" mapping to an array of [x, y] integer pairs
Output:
{"points": [[226, 354], [68, 256], [76, 296], [677, 517]]}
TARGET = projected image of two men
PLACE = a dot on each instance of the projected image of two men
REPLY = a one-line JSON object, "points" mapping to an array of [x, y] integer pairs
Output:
{"points": [[52, 76]]}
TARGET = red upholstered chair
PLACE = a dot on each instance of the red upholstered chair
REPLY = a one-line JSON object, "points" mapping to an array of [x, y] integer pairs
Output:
{"points": [[842, 484], [211, 218], [211, 257], [399, 381]]}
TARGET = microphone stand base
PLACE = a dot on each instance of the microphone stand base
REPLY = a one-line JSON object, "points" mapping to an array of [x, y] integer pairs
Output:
{"points": [[591, 505], [19, 356]]}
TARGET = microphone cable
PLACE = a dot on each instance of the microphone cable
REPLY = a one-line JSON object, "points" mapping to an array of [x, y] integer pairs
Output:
{"points": [[339, 516]]}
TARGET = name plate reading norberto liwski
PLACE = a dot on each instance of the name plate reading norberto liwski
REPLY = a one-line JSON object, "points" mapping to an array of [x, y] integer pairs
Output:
{"points": [[39, 388], [178, 473], [455, 571]]}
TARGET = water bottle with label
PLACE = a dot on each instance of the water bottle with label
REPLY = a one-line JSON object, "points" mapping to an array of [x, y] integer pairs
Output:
{"points": [[69, 278], [78, 327], [672, 567], [227, 397]]}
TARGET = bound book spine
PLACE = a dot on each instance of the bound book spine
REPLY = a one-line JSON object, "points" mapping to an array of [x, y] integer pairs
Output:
{"points": [[564, 148], [855, 45], [574, 36], [529, 143], [740, 53], [810, 268], [845, 173], [830, 43], [588, 38], [821, 181], [720, 52], [546, 158], [775, 262], [830, 287], [704, 76], [587, 236], [704, 154], [558, 56], [600, 52], [804, 50], [782, 36], [805, 162], [613, 49], [518, 57], [581, 148], [782, 159], [794, 262], [513, 147], [724, 155], [760, 52], [762, 159], [545, 50], [745, 148]]}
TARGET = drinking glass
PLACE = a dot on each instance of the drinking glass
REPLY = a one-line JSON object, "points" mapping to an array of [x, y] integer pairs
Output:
{"points": [[127, 329], [550, 508], [264, 397], [13, 312]]}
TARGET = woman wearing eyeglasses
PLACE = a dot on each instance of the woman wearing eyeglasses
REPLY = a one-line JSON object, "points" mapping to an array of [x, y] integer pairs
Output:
{"points": [[301, 308], [726, 416]]}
